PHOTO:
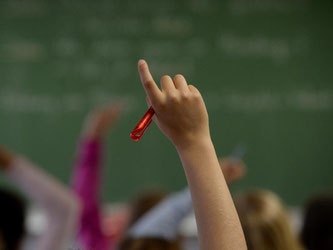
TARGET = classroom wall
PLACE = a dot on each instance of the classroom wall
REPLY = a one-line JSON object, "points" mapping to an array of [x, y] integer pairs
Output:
{"points": [[264, 68]]}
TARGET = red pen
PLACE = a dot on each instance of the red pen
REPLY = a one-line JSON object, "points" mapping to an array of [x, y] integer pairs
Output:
{"points": [[143, 124]]}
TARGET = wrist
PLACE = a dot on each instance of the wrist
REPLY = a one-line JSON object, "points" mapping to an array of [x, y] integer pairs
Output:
{"points": [[196, 144]]}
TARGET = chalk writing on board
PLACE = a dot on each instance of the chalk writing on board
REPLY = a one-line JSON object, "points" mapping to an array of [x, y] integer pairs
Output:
{"points": [[267, 101], [23, 51], [243, 7], [276, 49], [46, 104], [260, 101]]}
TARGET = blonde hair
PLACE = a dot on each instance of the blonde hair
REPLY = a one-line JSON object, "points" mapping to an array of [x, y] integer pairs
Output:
{"points": [[265, 222]]}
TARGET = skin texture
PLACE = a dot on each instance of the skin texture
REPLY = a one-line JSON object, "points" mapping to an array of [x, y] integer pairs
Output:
{"points": [[182, 116]]}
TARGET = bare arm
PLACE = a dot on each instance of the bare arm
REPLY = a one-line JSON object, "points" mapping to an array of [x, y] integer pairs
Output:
{"points": [[164, 219], [217, 220], [182, 116], [60, 205]]}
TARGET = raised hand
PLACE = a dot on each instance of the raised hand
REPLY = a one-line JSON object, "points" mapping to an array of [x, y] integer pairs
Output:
{"points": [[100, 121], [180, 110], [233, 169], [182, 116]]}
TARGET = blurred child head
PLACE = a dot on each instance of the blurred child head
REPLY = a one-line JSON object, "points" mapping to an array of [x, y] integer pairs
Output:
{"points": [[140, 205], [317, 232], [12, 216], [149, 244], [265, 222], [123, 220], [143, 203]]}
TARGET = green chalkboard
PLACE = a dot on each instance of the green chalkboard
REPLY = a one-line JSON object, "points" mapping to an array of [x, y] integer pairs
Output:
{"points": [[264, 68]]}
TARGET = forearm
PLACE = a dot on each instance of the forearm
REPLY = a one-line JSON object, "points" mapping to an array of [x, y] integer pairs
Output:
{"points": [[86, 183], [217, 220], [60, 205], [86, 175], [182, 116]]}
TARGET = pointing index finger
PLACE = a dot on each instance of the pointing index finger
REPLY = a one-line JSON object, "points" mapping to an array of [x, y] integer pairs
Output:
{"points": [[148, 82]]}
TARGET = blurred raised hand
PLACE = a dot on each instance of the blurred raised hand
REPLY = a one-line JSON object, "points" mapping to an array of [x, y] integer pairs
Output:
{"points": [[99, 122], [233, 169]]}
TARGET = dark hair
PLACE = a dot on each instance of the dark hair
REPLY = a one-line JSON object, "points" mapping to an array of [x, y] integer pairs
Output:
{"points": [[144, 202], [12, 217], [317, 232], [149, 244]]}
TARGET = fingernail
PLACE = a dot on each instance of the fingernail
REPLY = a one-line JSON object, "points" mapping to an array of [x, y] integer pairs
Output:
{"points": [[141, 61]]}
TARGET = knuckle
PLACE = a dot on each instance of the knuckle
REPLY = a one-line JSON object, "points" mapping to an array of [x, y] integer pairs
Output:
{"points": [[185, 96], [197, 96], [173, 97], [148, 84]]}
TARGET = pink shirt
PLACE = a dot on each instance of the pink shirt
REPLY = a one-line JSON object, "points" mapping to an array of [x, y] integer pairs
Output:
{"points": [[86, 184]]}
